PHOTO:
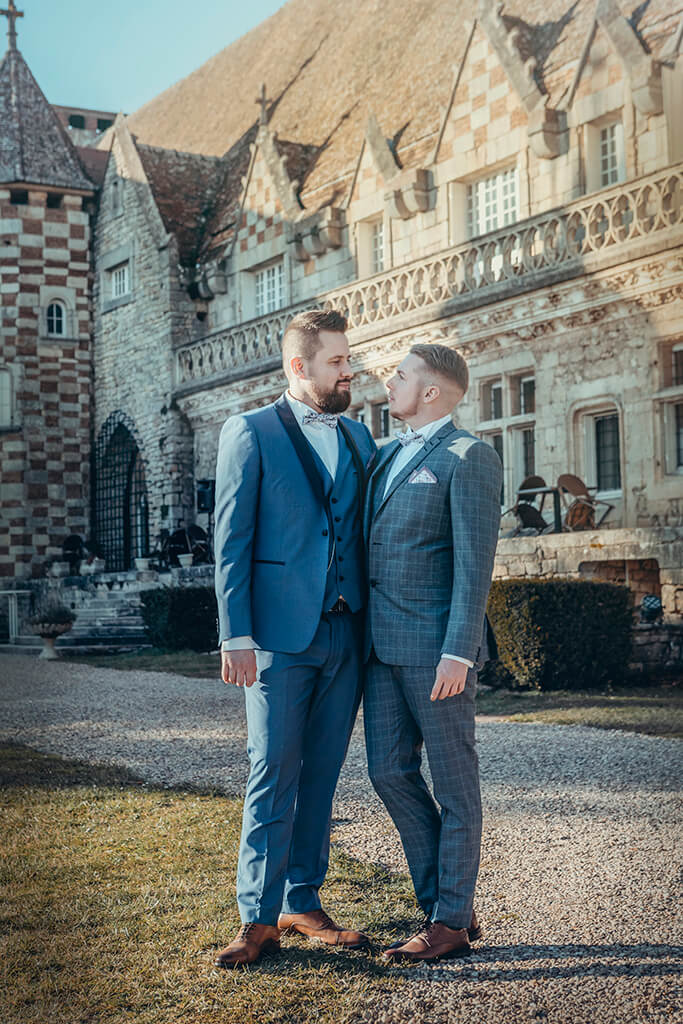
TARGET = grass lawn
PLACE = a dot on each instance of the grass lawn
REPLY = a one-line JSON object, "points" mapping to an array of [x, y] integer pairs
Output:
{"points": [[116, 896], [656, 710]]}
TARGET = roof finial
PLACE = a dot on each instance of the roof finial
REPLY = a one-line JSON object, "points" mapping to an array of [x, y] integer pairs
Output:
{"points": [[261, 99], [11, 13]]}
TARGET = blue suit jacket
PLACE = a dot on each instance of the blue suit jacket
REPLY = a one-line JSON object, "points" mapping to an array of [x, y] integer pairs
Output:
{"points": [[272, 530]]}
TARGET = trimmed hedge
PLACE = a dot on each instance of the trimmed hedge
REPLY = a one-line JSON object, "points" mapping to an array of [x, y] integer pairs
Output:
{"points": [[559, 634], [181, 618]]}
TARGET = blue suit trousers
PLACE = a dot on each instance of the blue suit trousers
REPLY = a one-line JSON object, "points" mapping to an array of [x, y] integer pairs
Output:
{"points": [[300, 713]]}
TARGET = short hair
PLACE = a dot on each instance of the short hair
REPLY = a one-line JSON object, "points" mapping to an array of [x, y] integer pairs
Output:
{"points": [[444, 362], [302, 334]]}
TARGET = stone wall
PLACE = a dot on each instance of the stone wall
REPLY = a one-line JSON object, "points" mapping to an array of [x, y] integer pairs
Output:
{"points": [[134, 338], [651, 553], [45, 453]]}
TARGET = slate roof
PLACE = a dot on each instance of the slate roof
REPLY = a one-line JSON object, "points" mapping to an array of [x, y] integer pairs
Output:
{"points": [[184, 186], [328, 64], [34, 147]]}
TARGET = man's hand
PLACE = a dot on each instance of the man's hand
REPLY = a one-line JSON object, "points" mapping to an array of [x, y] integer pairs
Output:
{"points": [[238, 667], [451, 677]]}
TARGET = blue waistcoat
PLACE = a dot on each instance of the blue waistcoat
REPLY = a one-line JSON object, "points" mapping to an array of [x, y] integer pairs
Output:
{"points": [[346, 574]]}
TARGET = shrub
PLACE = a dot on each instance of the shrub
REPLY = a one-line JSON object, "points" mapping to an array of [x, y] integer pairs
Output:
{"points": [[559, 634], [181, 618]]}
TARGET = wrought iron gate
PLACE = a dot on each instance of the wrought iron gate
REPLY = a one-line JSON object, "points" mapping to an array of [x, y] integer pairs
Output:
{"points": [[121, 510]]}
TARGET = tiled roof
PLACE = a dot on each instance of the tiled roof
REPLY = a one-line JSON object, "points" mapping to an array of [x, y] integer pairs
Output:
{"points": [[34, 148], [94, 162], [328, 64], [184, 186]]}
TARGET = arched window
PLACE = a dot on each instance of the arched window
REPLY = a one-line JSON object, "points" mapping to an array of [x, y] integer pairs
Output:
{"points": [[56, 320], [6, 411]]}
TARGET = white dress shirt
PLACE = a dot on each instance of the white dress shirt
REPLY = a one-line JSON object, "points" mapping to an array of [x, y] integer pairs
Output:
{"points": [[409, 451], [325, 443], [401, 460], [323, 439]]}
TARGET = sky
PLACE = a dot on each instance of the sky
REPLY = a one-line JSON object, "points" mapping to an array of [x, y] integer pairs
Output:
{"points": [[117, 54]]}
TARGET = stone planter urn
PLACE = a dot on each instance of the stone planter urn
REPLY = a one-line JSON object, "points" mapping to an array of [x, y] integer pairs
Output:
{"points": [[185, 560], [142, 564], [49, 624]]}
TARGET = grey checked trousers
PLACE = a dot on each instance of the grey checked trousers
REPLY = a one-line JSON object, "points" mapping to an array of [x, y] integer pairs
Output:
{"points": [[442, 847]]}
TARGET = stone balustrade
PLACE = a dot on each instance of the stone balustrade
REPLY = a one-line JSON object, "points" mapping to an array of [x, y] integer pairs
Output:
{"points": [[597, 230]]}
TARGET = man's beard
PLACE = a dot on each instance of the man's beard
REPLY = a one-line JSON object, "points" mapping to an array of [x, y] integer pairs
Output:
{"points": [[331, 401]]}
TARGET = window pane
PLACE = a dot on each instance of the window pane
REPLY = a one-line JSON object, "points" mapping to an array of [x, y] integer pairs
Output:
{"points": [[607, 452], [496, 407], [492, 202], [677, 369], [55, 318], [384, 421], [610, 153], [270, 289], [527, 395], [377, 246], [76, 121], [5, 398], [496, 442], [119, 281], [528, 452], [679, 435]]}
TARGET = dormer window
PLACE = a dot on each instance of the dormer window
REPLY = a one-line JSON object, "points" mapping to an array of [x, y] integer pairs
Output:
{"points": [[270, 288], [611, 153], [377, 240], [492, 202], [605, 157]]}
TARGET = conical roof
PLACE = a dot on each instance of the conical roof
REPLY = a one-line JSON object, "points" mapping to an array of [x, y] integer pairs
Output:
{"points": [[34, 147]]}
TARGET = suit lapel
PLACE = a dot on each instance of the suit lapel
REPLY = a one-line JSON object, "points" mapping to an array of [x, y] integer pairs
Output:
{"points": [[384, 457], [301, 447], [427, 448]]}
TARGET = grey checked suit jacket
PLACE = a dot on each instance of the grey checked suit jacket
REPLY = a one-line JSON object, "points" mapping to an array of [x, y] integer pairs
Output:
{"points": [[431, 547]]}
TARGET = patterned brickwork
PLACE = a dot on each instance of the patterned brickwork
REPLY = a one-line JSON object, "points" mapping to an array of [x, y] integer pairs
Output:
{"points": [[45, 453]]}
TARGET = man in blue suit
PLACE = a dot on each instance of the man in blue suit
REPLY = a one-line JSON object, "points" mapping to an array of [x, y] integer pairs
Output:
{"points": [[432, 515], [291, 588]]}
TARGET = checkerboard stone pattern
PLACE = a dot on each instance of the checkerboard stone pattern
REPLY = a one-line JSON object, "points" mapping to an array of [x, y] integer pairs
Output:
{"points": [[45, 451]]}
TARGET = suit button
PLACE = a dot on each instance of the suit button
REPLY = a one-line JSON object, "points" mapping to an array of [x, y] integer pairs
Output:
{"points": [[334, 501], [341, 558], [341, 579], [339, 539], [337, 519], [373, 583], [324, 533]]}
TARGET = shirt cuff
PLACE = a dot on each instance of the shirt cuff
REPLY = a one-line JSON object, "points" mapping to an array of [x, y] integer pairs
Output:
{"points": [[454, 657], [240, 643]]}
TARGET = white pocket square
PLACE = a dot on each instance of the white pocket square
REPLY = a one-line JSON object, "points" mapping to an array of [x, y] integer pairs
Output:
{"points": [[422, 476]]}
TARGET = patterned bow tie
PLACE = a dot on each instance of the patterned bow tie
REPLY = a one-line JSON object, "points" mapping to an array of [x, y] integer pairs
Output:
{"points": [[409, 436], [327, 419]]}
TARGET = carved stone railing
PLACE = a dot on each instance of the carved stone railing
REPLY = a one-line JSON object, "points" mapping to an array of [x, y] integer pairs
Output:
{"points": [[550, 246]]}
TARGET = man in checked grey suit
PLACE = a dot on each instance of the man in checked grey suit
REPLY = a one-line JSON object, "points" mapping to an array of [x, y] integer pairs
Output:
{"points": [[291, 586], [431, 522]]}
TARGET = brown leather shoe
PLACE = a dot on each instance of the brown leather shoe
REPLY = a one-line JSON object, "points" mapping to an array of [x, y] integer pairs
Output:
{"points": [[320, 927], [436, 941], [474, 931], [251, 940]]}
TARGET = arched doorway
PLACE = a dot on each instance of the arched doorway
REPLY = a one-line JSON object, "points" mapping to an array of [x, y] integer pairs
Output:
{"points": [[121, 508]]}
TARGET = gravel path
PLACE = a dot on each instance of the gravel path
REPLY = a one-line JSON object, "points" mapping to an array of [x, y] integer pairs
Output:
{"points": [[580, 878]]}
